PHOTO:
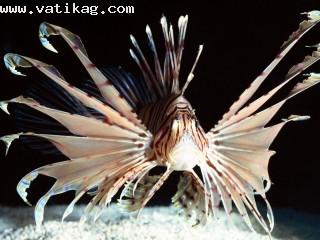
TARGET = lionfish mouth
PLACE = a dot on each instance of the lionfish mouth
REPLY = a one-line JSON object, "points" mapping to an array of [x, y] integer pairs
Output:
{"points": [[185, 155]]}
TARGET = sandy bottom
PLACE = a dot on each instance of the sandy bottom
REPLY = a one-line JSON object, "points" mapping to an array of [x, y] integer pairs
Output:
{"points": [[154, 223]]}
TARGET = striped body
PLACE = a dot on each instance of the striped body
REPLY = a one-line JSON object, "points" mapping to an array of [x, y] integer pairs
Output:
{"points": [[118, 128], [179, 141]]}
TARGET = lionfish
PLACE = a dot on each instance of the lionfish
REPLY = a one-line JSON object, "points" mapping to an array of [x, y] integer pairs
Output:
{"points": [[119, 128]]}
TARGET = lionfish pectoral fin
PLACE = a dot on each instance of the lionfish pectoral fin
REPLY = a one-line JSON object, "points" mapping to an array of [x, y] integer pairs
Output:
{"points": [[107, 90], [105, 151], [304, 27], [238, 165], [112, 116], [239, 152], [138, 193], [107, 171], [190, 199], [109, 187]]}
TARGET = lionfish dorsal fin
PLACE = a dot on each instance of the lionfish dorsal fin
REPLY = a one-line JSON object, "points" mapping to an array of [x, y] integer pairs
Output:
{"points": [[191, 75]]}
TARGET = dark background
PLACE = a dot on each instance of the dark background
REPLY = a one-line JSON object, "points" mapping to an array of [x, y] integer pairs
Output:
{"points": [[240, 38]]}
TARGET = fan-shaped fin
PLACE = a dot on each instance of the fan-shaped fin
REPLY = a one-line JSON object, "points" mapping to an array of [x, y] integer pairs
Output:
{"points": [[239, 145], [108, 91], [257, 120], [261, 118], [109, 188], [81, 174], [304, 27], [255, 105], [78, 124], [76, 146], [14, 60], [259, 138], [239, 161]]}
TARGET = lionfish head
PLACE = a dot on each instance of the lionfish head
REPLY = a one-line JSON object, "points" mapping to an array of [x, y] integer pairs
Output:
{"points": [[186, 149]]}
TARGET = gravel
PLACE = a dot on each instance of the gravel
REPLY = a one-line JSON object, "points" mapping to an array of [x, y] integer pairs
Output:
{"points": [[154, 223]]}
